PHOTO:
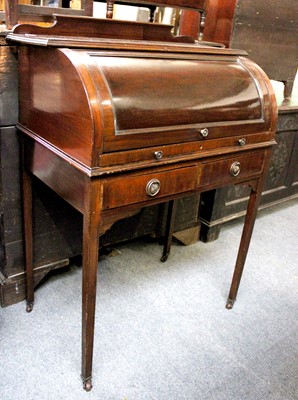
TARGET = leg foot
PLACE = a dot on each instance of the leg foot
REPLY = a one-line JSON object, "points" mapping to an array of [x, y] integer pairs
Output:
{"points": [[164, 258], [230, 304], [87, 384], [29, 306]]}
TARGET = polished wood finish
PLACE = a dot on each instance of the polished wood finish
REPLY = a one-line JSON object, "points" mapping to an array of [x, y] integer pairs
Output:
{"points": [[250, 217], [172, 181], [219, 25], [183, 139], [65, 29], [215, 172], [91, 214], [189, 23]]}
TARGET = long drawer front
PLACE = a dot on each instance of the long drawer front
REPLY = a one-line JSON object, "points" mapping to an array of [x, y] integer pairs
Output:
{"points": [[138, 188]]}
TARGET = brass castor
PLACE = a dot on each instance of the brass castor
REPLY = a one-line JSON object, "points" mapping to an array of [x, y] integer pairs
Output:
{"points": [[230, 304], [29, 306], [87, 385]]}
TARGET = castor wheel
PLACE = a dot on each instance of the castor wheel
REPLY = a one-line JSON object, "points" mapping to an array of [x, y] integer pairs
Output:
{"points": [[164, 258], [229, 304], [29, 307], [87, 385]]}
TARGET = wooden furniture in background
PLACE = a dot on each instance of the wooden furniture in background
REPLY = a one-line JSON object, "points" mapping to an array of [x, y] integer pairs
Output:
{"points": [[185, 119], [58, 240], [267, 30]]}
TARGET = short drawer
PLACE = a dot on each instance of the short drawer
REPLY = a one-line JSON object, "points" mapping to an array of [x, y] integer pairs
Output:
{"points": [[232, 169], [137, 188]]}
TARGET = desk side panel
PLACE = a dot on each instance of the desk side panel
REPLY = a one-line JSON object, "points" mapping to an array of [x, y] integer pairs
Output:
{"points": [[54, 103], [57, 173]]}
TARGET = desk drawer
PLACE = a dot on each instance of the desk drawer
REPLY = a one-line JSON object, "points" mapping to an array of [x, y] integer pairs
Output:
{"points": [[231, 170], [138, 188]]}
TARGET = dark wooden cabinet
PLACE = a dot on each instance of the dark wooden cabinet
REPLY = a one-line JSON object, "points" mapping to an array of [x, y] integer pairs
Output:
{"points": [[55, 246]]}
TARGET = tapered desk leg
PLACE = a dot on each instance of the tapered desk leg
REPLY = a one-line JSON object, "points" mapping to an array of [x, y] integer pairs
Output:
{"points": [[171, 216], [252, 209], [90, 263], [28, 237]]}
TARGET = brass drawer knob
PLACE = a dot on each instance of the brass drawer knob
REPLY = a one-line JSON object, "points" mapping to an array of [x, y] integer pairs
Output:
{"points": [[153, 187], [242, 142], [235, 168], [158, 155], [204, 132]]}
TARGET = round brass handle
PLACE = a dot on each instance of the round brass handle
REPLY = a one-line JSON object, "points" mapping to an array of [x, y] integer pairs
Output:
{"points": [[204, 132], [235, 168], [158, 154], [153, 187], [242, 142]]}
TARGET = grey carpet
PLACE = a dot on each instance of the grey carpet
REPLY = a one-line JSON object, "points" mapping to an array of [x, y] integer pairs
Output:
{"points": [[162, 330]]}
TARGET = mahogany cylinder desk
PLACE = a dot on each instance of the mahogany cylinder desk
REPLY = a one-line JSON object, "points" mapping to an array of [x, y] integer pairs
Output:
{"points": [[116, 116]]}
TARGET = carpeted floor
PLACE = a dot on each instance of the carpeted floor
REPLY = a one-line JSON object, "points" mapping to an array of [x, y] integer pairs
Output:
{"points": [[162, 330]]}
